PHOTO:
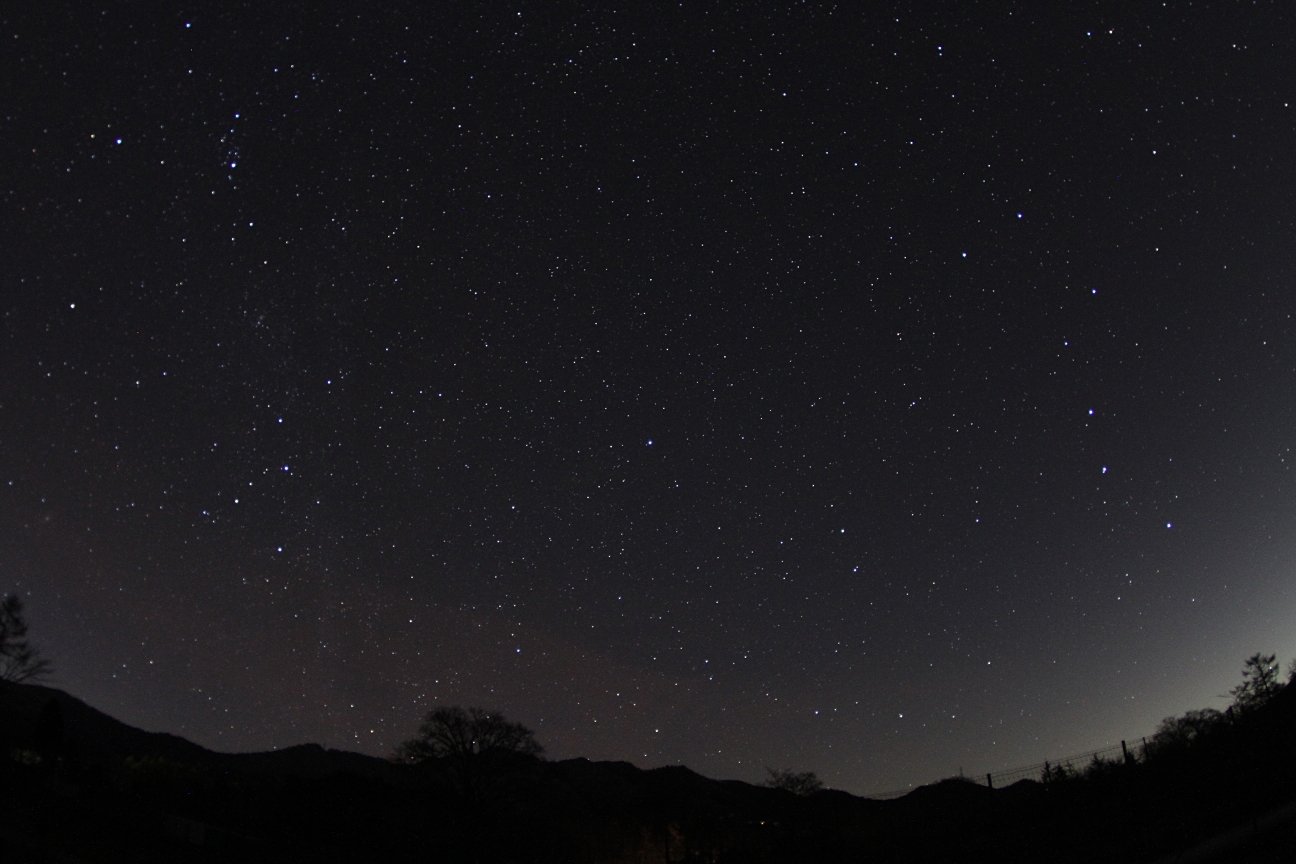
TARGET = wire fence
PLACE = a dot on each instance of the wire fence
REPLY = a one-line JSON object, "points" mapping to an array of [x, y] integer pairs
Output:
{"points": [[1049, 769]]}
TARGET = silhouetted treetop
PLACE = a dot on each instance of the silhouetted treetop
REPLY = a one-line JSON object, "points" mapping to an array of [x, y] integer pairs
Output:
{"points": [[19, 661], [1259, 682], [455, 733], [798, 783], [1193, 727], [482, 755]]}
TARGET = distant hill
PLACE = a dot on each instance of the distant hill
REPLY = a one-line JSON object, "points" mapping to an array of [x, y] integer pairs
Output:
{"points": [[77, 785], [91, 735]]}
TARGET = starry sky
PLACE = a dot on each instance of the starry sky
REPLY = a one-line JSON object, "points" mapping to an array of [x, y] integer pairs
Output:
{"points": [[872, 389]]}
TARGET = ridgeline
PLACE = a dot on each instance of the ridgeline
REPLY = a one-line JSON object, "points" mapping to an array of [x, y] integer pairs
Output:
{"points": [[79, 786]]}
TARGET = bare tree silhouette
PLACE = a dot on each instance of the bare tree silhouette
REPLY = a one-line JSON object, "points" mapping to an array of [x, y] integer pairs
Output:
{"points": [[802, 783], [479, 750]]}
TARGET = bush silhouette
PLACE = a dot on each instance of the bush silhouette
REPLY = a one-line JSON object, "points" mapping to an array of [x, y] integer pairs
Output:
{"points": [[1177, 733]]}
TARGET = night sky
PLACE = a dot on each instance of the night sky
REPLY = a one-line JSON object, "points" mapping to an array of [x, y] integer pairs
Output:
{"points": [[879, 390]]}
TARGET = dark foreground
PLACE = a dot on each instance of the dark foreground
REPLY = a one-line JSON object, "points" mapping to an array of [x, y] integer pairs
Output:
{"points": [[78, 786]]}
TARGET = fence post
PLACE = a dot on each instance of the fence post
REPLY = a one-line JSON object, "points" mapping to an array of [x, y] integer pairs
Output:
{"points": [[989, 781], [1125, 752]]}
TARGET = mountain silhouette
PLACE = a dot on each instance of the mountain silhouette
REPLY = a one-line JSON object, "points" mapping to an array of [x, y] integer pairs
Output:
{"points": [[77, 785]]}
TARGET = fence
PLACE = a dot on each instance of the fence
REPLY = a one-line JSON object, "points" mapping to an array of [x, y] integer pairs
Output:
{"points": [[1051, 768]]}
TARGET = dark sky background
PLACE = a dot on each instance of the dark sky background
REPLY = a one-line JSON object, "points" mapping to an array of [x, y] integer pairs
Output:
{"points": [[870, 389]]}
